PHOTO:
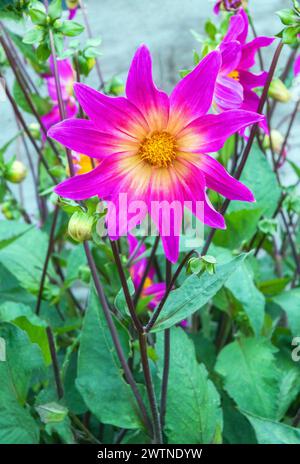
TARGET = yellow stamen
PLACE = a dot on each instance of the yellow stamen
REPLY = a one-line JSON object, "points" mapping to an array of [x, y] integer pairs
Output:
{"points": [[159, 149], [234, 75]]}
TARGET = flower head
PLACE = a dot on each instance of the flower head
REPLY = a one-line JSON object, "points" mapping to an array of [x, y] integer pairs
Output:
{"points": [[72, 6], [235, 83], [154, 148]]}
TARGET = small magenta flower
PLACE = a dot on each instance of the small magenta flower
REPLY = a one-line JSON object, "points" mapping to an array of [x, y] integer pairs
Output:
{"points": [[235, 83], [153, 148], [66, 75]]}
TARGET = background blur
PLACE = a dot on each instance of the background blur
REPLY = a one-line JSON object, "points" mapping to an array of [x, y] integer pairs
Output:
{"points": [[165, 26]]}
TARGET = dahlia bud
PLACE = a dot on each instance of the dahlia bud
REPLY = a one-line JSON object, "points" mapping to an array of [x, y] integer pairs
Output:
{"points": [[279, 91], [35, 130], [90, 62], [15, 172], [71, 4], [115, 87], [7, 210], [80, 226], [277, 140]]}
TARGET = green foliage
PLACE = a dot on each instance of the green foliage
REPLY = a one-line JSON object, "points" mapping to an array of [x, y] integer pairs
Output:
{"points": [[193, 404]]}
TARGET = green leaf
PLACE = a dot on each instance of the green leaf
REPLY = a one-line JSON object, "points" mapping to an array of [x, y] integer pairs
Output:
{"points": [[10, 289], [269, 432], [17, 427], [55, 9], [51, 412], [23, 359], [237, 429], [289, 301], [100, 378], [42, 105], [252, 300], [23, 317], [33, 36], [240, 227], [11, 230], [71, 28], [24, 258], [194, 293], [37, 16], [193, 413], [250, 374], [260, 178]]}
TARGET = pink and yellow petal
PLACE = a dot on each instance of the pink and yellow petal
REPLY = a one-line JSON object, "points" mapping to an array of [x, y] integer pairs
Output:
{"points": [[142, 92]]}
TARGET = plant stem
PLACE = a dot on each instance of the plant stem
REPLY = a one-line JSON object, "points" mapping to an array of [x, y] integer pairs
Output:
{"points": [[150, 389], [22, 83], [134, 317], [115, 338], [28, 133], [46, 262], [90, 35], [290, 126], [167, 349], [168, 290], [55, 364], [146, 272], [61, 105]]}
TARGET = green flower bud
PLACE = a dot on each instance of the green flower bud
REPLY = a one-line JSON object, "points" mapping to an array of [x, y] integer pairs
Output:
{"points": [[35, 130], [278, 91], [277, 141], [15, 172], [80, 226], [7, 211]]}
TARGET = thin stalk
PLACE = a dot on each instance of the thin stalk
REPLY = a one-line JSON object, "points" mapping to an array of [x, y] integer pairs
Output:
{"points": [[90, 35], [115, 338], [61, 105], [168, 290], [150, 389], [28, 133], [48, 256], [84, 429], [290, 126], [134, 317], [146, 272], [55, 364], [167, 350], [22, 83]]}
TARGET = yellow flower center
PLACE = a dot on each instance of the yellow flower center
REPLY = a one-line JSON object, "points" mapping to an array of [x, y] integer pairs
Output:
{"points": [[234, 75], [159, 149]]}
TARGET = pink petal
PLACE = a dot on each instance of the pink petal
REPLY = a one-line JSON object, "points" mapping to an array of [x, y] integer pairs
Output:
{"points": [[238, 28], [194, 192], [214, 129], [297, 66], [142, 92], [157, 291], [231, 53], [82, 186], [228, 93], [192, 96], [251, 103], [252, 81], [111, 114], [250, 49], [82, 136], [218, 179]]}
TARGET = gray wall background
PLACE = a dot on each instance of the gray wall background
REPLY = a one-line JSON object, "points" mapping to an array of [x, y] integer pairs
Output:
{"points": [[165, 26]]}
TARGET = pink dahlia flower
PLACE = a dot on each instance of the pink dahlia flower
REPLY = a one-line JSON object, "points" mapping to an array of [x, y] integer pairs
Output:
{"points": [[235, 83], [153, 147]]}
